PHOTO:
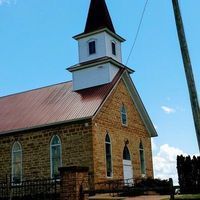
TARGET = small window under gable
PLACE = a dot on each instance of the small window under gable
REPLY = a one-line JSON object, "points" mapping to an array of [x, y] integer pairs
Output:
{"points": [[123, 115], [113, 48], [92, 47], [16, 163]]}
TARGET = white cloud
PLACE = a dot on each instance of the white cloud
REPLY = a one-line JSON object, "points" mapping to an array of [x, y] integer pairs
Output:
{"points": [[168, 110], [2, 2], [165, 162]]}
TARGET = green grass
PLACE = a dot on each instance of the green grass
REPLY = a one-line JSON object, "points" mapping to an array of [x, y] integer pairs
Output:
{"points": [[187, 197]]}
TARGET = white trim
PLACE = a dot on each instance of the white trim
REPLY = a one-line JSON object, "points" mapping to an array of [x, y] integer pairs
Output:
{"points": [[98, 61], [107, 133], [119, 38], [21, 171], [51, 164]]}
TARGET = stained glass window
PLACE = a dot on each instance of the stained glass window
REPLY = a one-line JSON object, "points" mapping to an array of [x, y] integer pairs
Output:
{"points": [[16, 162], [56, 160]]}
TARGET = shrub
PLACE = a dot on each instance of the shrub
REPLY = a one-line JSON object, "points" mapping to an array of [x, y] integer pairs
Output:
{"points": [[157, 185]]}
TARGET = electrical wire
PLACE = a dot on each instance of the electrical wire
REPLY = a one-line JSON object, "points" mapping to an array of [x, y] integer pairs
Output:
{"points": [[138, 30]]}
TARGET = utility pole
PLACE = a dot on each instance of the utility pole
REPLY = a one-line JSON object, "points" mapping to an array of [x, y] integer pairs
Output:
{"points": [[188, 69]]}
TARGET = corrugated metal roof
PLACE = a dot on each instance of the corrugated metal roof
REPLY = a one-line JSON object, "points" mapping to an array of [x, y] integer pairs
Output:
{"points": [[50, 105]]}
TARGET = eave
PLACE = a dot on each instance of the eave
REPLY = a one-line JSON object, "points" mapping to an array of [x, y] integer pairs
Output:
{"points": [[83, 35], [98, 61]]}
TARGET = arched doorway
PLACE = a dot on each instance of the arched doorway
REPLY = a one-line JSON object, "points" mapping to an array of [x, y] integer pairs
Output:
{"points": [[127, 167]]}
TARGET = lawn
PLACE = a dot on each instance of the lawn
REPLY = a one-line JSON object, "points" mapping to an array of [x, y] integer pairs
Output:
{"points": [[187, 196]]}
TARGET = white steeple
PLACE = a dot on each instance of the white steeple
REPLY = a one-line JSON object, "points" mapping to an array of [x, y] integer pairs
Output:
{"points": [[99, 49]]}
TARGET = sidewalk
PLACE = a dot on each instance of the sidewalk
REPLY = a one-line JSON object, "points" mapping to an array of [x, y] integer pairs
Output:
{"points": [[149, 197]]}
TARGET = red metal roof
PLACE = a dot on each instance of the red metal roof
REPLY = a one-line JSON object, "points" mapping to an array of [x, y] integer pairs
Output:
{"points": [[50, 105]]}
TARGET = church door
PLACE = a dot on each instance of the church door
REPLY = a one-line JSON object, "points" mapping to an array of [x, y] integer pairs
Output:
{"points": [[127, 167]]}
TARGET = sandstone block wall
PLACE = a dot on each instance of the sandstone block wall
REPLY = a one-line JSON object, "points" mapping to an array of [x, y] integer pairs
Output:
{"points": [[76, 139], [109, 120]]}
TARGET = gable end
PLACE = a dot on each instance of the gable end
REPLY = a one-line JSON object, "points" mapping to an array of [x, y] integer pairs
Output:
{"points": [[139, 105]]}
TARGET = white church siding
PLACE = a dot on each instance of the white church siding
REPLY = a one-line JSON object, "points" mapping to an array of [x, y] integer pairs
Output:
{"points": [[103, 42], [93, 76]]}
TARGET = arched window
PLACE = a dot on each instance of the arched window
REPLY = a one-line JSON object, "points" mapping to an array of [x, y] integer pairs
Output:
{"points": [[55, 154], [123, 115], [142, 160], [16, 162], [108, 156], [126, 154]]}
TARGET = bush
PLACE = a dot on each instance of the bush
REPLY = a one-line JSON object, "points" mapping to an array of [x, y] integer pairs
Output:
{"points": [[157, 185]]}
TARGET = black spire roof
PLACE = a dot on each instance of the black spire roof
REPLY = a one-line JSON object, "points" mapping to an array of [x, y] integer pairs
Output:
{"points": [[98, 17]]}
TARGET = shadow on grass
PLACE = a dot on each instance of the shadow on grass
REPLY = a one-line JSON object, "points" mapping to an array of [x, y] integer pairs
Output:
{"points": [[186, 197]]}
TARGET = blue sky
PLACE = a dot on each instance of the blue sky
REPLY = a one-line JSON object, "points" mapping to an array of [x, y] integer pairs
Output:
{"points": [[36, 46]]}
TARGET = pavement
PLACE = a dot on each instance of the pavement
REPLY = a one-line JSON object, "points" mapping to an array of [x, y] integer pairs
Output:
{"points": [[149, 197]]}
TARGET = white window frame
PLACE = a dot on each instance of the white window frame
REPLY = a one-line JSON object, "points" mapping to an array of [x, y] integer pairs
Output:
{"points": [[110, 143], [51, 154], [13, 152], [122, 109]]}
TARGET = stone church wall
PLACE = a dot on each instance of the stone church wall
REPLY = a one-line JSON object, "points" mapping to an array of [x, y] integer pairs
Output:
{"points": [[109, 120], [76, 139]]}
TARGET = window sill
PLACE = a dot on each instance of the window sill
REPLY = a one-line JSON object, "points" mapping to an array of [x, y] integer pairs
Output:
{"points": [[125, 125], [143, 175], [109, 177]]}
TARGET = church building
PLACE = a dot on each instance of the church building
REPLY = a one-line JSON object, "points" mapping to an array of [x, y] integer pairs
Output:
{"points": [[97, 120]]}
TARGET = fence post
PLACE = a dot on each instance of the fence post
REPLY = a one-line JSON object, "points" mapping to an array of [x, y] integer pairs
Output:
{"points": [[72, 180], [171, 189]]}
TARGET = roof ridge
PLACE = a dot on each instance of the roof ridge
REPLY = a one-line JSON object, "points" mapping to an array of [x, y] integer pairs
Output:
{"points": [[26, 91]]}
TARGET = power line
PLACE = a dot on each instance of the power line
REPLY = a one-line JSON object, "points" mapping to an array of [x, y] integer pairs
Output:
{"points": [[138, 30]]}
